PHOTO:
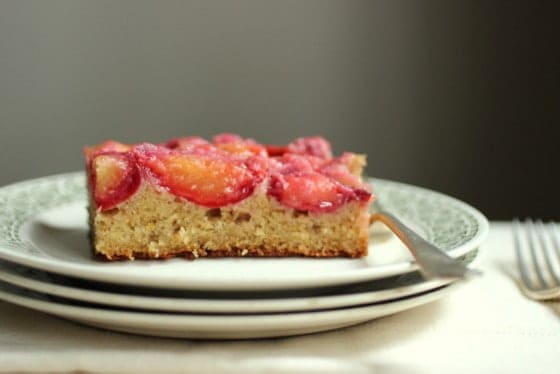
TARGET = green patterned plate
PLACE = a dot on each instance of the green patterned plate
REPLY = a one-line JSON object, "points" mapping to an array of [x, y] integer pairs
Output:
{"points": [[43, 225]]}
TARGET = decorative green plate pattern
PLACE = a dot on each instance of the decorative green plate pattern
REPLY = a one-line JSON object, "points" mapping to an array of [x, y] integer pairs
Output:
{"points": [[22, 200]]}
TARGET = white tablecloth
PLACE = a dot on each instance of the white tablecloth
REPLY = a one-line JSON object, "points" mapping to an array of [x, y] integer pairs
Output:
{"points": [[487, 325]]}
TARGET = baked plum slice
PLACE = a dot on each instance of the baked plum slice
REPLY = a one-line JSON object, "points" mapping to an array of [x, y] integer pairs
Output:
{"points": [[114, 177]]}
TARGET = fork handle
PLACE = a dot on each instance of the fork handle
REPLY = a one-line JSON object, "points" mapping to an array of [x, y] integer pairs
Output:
{"points": [[433, 262], [406, 235]]}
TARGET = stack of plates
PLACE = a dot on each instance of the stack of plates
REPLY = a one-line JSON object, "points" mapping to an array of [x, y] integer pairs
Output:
{"points": [[46, 264]]}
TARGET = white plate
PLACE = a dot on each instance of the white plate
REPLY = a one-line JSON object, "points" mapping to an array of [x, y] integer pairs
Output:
{"points": [[206, 302], [43, 224], [214, 326]]}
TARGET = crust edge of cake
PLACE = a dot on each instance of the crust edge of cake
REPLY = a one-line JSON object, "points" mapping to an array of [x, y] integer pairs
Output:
{"points": [[233, 253]]}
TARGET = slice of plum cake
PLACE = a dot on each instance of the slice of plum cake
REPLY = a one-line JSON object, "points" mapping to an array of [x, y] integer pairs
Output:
{"points": [[227, 197]]}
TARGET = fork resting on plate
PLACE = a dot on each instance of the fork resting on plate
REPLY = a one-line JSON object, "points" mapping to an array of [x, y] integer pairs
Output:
{"points": [[432, 261]]}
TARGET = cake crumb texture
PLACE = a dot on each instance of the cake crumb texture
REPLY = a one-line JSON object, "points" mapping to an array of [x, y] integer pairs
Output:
{"points": [[155, 224]]}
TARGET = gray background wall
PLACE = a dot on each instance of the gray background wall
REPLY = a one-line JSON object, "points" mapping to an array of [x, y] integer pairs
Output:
{"points": [[458, 96]]}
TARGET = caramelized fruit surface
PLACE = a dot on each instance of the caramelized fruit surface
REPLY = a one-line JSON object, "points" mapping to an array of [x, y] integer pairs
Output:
{"points": [[302, 175]]}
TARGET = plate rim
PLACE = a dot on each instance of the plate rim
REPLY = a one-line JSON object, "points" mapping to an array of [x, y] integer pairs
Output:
{"points": [[266, 304], [281, 282], [225, 325]]}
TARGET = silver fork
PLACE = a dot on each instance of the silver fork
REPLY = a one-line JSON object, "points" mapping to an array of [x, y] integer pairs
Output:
{"points": [[432, 261], [538, 257]]}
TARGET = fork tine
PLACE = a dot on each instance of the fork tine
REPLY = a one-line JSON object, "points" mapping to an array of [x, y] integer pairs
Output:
{"points": [[555, 240], [532, 232], [555, 245], [546, 249], [521, 263]]}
